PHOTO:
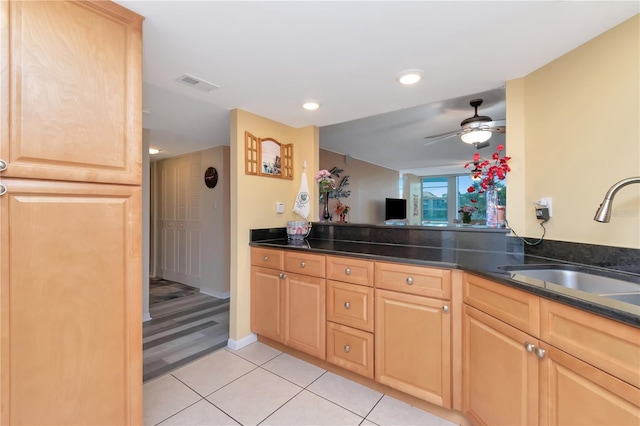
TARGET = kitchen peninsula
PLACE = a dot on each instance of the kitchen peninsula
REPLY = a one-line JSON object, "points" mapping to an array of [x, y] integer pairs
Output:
{"points": [[432, 314]]}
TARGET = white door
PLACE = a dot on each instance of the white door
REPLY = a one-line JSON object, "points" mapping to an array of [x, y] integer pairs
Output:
{"points": [[179, 220]]}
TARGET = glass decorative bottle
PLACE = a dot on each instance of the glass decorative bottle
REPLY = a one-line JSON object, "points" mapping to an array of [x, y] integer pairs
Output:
{"points": [[326, 215], [492, 207]]}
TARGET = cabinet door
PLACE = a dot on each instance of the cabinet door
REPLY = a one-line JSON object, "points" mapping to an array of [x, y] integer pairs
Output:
{"points": [[576, 393], [500, 377], [70, 298], [305, 326], [412, 345], [267, 296], [71, 91]]}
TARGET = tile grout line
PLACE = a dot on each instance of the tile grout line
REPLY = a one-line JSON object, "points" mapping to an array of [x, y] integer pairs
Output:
{"points": [[180, 411]]}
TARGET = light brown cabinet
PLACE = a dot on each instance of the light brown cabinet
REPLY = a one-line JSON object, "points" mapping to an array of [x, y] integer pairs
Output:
{"points": [[413, 332], [570, 367], [289, 307], [350, 314], [70, 245]]}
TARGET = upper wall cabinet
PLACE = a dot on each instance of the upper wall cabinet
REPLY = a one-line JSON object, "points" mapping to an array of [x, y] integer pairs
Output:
{"points": [[267, 157], [70, 91]]}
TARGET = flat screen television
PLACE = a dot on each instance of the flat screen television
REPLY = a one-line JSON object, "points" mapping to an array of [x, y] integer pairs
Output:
{"points": [[395, 208]]}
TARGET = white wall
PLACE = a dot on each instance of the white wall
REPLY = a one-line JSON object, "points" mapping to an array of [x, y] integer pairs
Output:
{"points": [[146, 212]]}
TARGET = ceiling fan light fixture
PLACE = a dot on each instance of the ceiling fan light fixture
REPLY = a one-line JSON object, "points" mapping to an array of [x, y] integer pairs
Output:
{"points": [[476, 136], [409, 77]]}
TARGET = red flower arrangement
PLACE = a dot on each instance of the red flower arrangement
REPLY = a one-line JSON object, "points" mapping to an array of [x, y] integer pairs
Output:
{"points": [[487, 171]]}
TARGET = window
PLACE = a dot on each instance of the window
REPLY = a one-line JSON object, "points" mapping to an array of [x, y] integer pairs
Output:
{"points": [[442, 196]]}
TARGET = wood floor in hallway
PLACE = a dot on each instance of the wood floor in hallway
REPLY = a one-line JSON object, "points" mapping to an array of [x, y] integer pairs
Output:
{"points": [[182, 330]]}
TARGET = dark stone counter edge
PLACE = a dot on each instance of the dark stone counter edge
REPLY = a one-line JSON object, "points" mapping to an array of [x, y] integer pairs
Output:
{"points": [[596, 307]]}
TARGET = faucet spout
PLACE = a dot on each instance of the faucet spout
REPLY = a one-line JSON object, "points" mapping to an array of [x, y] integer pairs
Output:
{"points": [[604, 211]]}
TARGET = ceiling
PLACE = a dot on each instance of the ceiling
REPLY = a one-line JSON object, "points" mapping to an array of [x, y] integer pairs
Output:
{"points": [[268, 56]]}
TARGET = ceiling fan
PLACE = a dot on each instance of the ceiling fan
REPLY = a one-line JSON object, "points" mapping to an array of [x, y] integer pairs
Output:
{"points": [[476, 130]]}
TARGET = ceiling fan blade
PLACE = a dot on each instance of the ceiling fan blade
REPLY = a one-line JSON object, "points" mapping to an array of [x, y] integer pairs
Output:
{"points": [[441, 138], [439, 135], [480, 145]]}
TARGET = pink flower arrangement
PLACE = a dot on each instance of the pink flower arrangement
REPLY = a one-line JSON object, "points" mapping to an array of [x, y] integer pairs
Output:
{"points": [[323, 177], [488, 171]]}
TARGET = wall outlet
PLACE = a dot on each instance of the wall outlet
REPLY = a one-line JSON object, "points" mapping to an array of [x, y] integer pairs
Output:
{"points": [[279, 207], [546, 203]]}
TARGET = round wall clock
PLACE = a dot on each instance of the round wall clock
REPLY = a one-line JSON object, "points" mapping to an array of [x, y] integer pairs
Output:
{"points": [[211, 177]]}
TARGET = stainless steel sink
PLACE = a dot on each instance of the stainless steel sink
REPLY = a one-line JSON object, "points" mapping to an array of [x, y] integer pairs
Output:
{"points": [[625, 289]]}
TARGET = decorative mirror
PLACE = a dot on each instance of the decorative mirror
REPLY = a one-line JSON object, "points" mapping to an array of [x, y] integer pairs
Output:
{"points": [[267, 157]]}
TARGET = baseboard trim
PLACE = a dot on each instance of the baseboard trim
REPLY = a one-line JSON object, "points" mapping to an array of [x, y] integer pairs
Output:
{"points": [[239, 344], [216, 294], [146, 317]]}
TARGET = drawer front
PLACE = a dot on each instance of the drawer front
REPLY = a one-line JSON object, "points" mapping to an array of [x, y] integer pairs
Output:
{"points": [[305, 263], [609, 345], [513, 306], [430, 282], [350, 304], [348, 270], [350, 348], [267, 258]]}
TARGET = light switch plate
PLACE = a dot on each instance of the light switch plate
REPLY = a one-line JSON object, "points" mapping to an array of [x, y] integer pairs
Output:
{"points": [[279, 207]]}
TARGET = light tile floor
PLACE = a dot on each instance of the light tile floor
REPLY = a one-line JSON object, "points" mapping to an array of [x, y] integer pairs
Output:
{"points": [[260, 385]]}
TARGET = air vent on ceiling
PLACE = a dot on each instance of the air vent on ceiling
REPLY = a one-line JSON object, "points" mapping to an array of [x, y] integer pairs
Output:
{"points": [[197, 83]]}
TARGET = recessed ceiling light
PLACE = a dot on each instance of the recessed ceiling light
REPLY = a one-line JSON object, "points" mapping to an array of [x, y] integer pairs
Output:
{"points": [[311, 105], [410, 76], [153, 151]]}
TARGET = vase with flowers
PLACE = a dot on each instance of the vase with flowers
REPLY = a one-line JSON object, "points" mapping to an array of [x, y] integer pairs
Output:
{"points": [[467, 212], [326, 184], [486, 173]]}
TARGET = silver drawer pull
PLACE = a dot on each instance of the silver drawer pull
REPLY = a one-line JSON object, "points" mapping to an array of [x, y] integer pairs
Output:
{"points": [[347, 271], [3, 189], [409, 280], [540, 353], [529, 347], [445, 309], [266, 258], [302, 264], [3, 165], [347, 305], [281, 275], [347, 348]]}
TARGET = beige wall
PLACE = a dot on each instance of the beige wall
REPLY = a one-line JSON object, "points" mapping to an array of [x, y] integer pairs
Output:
{"points": [[215, 209], [369, 185], [574, 130], [253, 200]]}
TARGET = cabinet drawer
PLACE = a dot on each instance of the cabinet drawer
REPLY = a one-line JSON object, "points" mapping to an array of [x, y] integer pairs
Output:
{"points": [[350, 304], [515, 307], [430, 282], [348, 270], [305, 263], [350, 348], [609, 345], [267, 258]]}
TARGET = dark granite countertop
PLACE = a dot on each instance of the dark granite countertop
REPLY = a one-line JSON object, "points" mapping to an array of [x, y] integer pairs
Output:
{"points": [[478, 262]]}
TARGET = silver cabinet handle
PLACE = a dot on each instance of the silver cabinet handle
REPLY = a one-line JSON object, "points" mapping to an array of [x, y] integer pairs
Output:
{"points": [[3, 189], [540, 353], [3, 165], [347, 271], [347, 305], [266, 258], [281, 275], [529, 347], [347, 348], [302, 264], [445, 309], [409, 280]]}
